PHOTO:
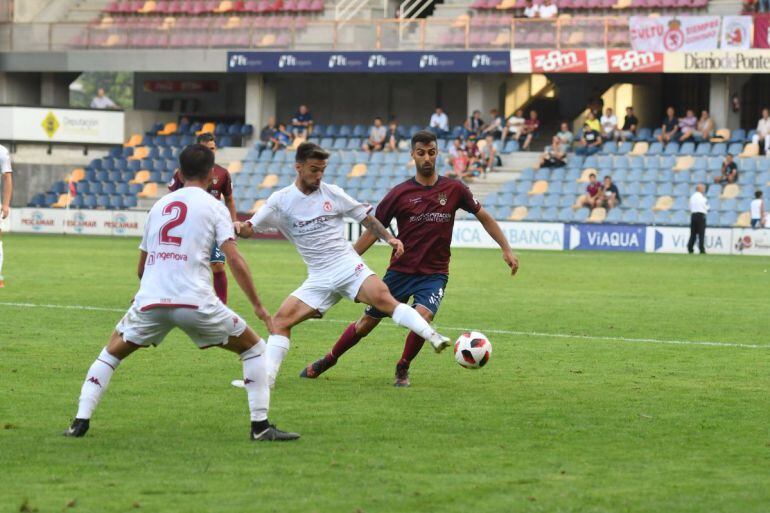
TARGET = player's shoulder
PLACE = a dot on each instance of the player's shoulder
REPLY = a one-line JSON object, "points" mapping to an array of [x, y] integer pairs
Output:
{"points": [[280, 196], [401, 187], [221, 170]]}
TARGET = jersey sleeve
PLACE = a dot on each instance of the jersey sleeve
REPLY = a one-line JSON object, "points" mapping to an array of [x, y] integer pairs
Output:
{"points": [[5, 161], [143, 243], [467, 201], [176, 182], [386, 209], [223, 225], [348, 206], [227, 188], [267, 216]]}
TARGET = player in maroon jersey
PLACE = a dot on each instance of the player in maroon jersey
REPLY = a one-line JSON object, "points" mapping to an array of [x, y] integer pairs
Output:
{"points": [[424, 208], [221, 186]]}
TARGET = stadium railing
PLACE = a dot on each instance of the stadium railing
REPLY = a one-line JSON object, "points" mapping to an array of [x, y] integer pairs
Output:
{"points": [[477, 32]]}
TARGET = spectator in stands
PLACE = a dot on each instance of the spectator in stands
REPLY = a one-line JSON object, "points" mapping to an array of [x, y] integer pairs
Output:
{"points": [[302, 122], [687, 125], [460, 161], [609, 124], [439, 122], [474, 124], [763, 131], [487, 157], [393, 137], [593, 195], [267, 133], [592, 122], [554, 155], [705, 127], [729, 173], [102, 101], [669, 126], [590, 142], [548, 9], [565, 135], [757, 211], [630, 124], [495, 126], [282, 138], [514, 125], [531, 10], [377, 137], [610, 194], [529, 130]]}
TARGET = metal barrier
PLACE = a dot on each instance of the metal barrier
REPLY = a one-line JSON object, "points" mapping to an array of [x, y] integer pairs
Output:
{"points": [[275, 33]]}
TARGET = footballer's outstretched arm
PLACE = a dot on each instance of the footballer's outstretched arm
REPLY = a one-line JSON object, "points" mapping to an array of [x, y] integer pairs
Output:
{"points": [[373, 225], [494, 231], [242, 274], [364, 242]]}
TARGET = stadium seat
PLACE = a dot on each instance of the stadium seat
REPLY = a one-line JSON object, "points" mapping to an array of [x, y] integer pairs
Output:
{"points": [[723, 135], [235, 167], [730, 191], [584, 177], [750, 150], [663, 203], [357, 170], [150, 190], [168, 129], [538, 188], [518, 214], [743, 221], [269, 181], [597, 215], [684, 163]]}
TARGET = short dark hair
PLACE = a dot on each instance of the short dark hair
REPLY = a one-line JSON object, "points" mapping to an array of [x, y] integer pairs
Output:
{"points": [[757, 194], [205, 138], [592, 174], [196, 161], [729, 155], [425, 137], [307, 151], [607, 177]]}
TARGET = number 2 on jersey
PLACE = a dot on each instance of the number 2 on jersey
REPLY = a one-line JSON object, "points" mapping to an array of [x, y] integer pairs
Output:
{"points": [[179, 211]]}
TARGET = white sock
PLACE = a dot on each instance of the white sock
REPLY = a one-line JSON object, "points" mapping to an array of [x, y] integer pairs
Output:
{"points": [[255, 381], [1, 259], [96, 382], [277, 347], [406, 316]]}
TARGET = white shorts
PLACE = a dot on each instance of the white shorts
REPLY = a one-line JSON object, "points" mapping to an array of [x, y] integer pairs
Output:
{"points": [[208, 325], [322, 290]]}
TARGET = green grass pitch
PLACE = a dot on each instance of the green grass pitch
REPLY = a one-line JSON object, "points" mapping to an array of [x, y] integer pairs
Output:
{"points": [[596, 399]]}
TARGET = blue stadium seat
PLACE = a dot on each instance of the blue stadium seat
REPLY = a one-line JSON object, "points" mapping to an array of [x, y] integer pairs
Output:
{"points": [[103, 201], [604, 162], [624, 148], [687, 148], [50, 198], [537, 200], [665, 189], [714, 164], [571, 187], [645, 217], [354, 143], [247, 130], [332, 130], [566, 200], [649, 189], [551, 200], [591, 161], [735, 149], [655, 148], [613, 216], [345, 131], [340, 144], [644, 134], [121, 188], [555, 187], [89, 201], [135, 188], [704, 149], [360, 131], [672, 148], [646, 202], [680, 218], [630, 216], [737, 135], [510, 147], [629, 201]]}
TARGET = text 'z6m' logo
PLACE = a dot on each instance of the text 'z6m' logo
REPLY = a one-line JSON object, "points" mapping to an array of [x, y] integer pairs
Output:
{"points": [[631, 60], [559, 61]]}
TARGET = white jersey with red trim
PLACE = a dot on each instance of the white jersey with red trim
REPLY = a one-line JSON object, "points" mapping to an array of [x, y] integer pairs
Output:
{"points": [[5, 160], [313, 222], [181, 229]]}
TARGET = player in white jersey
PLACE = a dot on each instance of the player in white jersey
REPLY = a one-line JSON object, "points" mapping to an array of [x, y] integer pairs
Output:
{"points": [[5, 206], [310, 214], [176, 292]]}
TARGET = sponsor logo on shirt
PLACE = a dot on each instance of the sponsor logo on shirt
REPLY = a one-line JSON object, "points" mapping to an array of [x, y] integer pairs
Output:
{"points": [[310, 225], [442, 198], [358, 270], [431, 217], [166, 256]]}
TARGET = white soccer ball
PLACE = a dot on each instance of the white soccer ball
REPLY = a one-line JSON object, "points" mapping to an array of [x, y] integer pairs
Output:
{"points": [[473, 350]]}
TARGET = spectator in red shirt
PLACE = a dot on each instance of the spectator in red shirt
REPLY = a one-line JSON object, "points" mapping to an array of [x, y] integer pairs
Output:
{"points": [[531, 125], [593, 195]]}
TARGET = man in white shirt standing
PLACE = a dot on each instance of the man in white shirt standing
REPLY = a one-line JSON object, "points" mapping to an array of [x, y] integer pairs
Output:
{"points": [[102, 101], [757, 211], [439, 121], [5, 206], [310, 213], [531, 9], [699, 207], [176, 292], [763, 131], [609, 124]]}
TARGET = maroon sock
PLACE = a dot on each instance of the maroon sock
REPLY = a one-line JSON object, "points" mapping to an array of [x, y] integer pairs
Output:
{"points": [[348, 339], [412, 347], [220, 286]]}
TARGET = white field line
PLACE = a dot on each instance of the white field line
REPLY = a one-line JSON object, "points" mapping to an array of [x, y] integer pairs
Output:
{"points": [[455, 328]]}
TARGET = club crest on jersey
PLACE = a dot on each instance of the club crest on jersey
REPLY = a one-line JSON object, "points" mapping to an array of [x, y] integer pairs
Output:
{"points": [[215, 180], [442, 198], [327, 206]]}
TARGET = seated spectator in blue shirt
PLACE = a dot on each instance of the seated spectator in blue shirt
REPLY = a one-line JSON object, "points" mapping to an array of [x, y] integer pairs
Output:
{"points": [[281, 139], [590, 142], [267, 133], [302, 122], [669, 126]]}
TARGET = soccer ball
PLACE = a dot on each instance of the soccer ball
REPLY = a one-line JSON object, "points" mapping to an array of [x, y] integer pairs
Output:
{"points": [[472, 350]]}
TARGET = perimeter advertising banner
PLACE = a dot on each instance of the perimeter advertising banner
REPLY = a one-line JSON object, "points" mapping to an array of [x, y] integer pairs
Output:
{"points": [[470, 234], [605, 237], [369, 62], [762, 30], [720, 61], [673, 239], [674, 34], [61, 125], [751, 242], [78, 222]]}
